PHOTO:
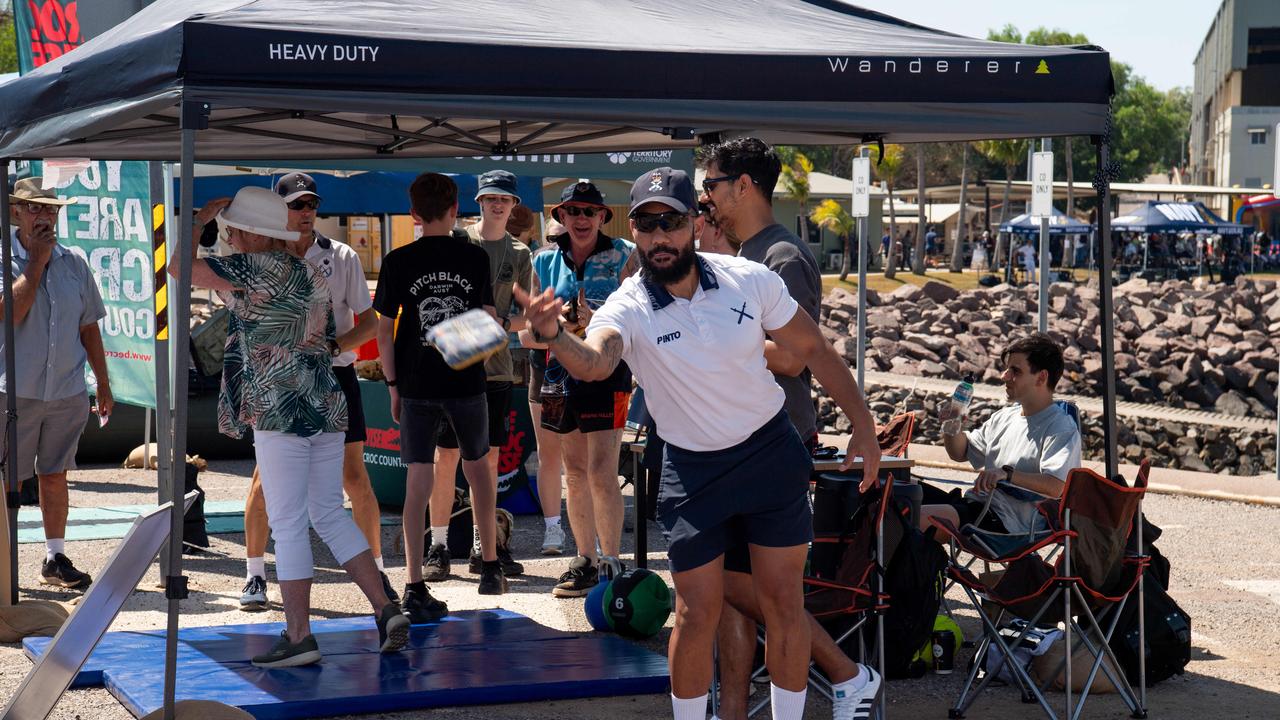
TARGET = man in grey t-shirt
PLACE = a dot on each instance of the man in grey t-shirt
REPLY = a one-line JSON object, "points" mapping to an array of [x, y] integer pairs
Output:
{"points": [[739, 184], [1023, 452]]}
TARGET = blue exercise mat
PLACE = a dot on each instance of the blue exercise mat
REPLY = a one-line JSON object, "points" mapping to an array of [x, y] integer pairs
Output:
{"points": [[475, 657]]}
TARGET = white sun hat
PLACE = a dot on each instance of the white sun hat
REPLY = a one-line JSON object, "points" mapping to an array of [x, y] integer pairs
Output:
{"points": [[259, 211]]}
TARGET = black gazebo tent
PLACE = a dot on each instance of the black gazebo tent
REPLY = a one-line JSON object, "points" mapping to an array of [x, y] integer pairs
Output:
{"points": [[321, 79]]}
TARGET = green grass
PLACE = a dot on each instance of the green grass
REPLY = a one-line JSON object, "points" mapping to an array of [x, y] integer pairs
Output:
{"points": [[877, 281]]}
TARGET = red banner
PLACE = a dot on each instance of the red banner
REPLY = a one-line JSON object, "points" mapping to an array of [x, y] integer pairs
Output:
{"points": [[47, 29]]}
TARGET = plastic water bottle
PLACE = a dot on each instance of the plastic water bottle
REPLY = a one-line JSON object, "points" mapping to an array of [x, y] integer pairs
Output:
{"points": [[960, 401]]}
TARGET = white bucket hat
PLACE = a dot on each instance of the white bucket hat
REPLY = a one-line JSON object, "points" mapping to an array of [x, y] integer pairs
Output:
{"points": [[259, 211]]}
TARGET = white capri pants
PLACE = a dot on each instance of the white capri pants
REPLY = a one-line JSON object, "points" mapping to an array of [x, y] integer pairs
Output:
{"points": [[301, 481]]}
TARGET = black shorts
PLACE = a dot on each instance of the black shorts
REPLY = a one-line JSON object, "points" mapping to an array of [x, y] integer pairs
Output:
{"points": [[350, 385], [497, 397], [585, 411], [756, 492], [967, 509], [420, 426]]}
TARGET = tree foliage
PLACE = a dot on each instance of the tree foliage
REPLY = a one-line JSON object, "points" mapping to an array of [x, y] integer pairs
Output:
{"points": [[8, 41]]}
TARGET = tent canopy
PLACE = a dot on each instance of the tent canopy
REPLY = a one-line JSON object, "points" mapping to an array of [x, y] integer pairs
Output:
{"points": [[295, 79], [1154, 216], [1059, 224]]}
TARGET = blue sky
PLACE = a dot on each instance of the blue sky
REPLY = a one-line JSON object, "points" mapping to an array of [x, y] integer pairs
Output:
{"points": [[1159, 38]]}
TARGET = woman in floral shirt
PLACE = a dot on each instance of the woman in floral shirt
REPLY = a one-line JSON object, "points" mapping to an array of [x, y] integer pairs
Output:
{"points": [[277, 380]]}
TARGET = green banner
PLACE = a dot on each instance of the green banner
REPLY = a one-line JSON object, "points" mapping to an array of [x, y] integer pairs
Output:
{"points": [[110, 227], [46, 29]]}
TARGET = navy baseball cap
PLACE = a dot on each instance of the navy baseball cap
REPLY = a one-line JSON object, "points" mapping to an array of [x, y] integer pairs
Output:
{"points": [[296, 185], [585, 192], [665, 185], [498, 182]]}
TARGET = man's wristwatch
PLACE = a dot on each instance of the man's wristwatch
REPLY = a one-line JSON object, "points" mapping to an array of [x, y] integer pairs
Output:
{"points": [[506, 324], [389, 382], [539, 337], [334, 348], [1008, 473]]}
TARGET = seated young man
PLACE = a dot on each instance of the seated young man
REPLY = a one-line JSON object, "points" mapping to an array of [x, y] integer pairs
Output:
{"points": [[1022, 452]]}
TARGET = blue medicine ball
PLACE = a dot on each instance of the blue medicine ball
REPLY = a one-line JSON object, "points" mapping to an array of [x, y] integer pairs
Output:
{"points": [[594, 608]]}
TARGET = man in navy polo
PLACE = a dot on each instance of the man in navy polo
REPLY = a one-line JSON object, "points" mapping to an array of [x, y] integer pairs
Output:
{"points": [[692, 328]]}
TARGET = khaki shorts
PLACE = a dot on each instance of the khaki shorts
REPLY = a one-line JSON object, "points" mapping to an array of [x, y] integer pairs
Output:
{"points": [[48, 433]]}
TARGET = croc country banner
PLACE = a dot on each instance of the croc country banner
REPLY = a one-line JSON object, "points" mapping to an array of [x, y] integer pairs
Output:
{"points": [[109, 225]]}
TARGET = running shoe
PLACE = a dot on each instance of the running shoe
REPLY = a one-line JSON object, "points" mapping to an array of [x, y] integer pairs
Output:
{"points": [[578, 580], [288, 654], [254, 596]]}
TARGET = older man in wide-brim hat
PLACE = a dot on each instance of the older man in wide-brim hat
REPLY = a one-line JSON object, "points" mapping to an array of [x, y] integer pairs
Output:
{"points": [[277, 380], [56, 308]]}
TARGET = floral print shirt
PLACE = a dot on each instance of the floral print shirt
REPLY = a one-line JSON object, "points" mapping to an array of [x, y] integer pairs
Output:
{"points": [[277, 373]]}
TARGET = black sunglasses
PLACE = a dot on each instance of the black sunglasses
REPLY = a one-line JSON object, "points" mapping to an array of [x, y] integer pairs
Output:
{"points": [[667, 221], [575, 211], [709, 183], [308, 204]]}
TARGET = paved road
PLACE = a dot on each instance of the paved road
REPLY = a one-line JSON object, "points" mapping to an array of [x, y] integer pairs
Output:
{"points": [[1226, 574]]}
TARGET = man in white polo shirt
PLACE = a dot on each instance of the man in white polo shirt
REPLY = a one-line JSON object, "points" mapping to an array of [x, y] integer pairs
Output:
{"points": [[692, 329], [356, 322]]}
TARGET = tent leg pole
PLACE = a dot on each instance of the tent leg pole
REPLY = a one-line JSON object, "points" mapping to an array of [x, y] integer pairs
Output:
{"points": [[12, 476], [864, 226], [195, 116], [162, 191], [1046, 256], [1107, 308]]}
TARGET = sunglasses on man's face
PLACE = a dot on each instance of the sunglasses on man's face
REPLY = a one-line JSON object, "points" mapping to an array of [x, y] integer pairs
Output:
{"points": [[574, 211], [667, 221], [307, 204]]}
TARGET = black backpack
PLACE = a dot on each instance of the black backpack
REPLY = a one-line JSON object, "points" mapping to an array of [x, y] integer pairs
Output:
{"points": [[914, 583], [1168, 628]]}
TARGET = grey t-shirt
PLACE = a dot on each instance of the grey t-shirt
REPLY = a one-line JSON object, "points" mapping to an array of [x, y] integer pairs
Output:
{"points": [[1047, 442], [782, 252]]}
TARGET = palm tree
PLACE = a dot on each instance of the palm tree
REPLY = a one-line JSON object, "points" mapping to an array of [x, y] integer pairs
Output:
{"points": [[795, 183], [917, 255], [1010, 154], [888, 166], [831, 216], [957, 250]]}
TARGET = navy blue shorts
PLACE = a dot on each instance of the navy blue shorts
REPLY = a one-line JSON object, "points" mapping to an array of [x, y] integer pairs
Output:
{"points": [[350, 384], [756, 492]]}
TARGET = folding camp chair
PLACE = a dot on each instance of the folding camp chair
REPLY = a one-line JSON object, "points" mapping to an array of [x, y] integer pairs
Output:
{"points": [[1086, 587]]}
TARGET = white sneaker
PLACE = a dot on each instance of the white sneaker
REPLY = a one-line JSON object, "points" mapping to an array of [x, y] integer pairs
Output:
{"points": [[254, 596], [553, 541], [858, 704]]}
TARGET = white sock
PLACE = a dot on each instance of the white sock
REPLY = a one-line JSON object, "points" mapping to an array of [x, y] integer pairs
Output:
{"points": [[440, 535], [853, 684], [257, 567], [689, 708], [53, 546], [786, 705], [551, 521], [378, 561]]}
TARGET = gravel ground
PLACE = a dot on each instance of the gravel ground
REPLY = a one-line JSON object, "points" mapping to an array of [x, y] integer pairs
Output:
{"points": [[1226, 574]]}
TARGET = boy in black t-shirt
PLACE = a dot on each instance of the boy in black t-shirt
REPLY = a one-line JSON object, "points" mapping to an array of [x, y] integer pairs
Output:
{"points": [[431, 280]]}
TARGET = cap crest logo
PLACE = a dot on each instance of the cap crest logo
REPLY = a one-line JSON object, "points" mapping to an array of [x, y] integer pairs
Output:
{"points": [[302, 183], [655, 182]]}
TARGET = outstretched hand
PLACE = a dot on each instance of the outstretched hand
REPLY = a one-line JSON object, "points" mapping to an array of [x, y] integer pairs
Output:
{"points": [[541, 310]]}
